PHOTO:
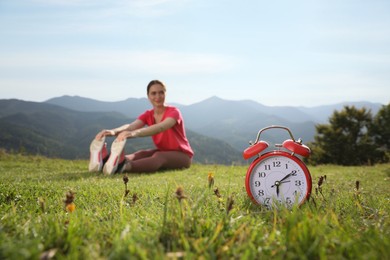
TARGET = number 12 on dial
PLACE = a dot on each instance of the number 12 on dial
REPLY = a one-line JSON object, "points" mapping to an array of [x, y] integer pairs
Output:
{"points": [[278, 178]]}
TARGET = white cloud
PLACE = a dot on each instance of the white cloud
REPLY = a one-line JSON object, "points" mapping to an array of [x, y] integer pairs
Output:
{"points": [[355, 57], [165, 62], [130, 7]]}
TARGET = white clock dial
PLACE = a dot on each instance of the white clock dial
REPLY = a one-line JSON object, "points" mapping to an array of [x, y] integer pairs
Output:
{"points": [[278, 179]]}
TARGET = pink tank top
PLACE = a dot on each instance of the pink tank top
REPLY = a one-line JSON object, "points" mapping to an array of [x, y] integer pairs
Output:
{"points": [[174, 138]]}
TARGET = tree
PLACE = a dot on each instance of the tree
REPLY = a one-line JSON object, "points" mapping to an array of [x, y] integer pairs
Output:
{"points": [[346, 140], [381, 130]]}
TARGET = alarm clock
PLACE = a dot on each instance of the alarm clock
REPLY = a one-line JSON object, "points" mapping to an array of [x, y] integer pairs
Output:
{"points": [[278, 177]]}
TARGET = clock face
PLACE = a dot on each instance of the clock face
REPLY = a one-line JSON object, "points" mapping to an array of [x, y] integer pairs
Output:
{"points": [[278, 178]]}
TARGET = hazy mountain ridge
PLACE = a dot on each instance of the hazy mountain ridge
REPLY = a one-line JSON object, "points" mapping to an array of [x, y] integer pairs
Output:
{"points": [[321, 114], [56, 131], [235, 122], [218, 129], [132, 107]]}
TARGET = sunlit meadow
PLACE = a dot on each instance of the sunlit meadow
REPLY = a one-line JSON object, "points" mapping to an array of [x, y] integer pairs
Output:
{"points": [[51, 208]]}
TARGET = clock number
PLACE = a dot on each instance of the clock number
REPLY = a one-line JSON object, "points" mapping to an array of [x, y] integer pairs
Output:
{"points": [[294, 173], [267, 201], [261, 174], [276, 164], [257, 184], [289, 201], [261, 193], [267, 167], [298, 183]]}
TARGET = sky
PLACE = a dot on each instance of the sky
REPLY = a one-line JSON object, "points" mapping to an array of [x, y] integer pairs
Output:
{"points": [[278, 53]]}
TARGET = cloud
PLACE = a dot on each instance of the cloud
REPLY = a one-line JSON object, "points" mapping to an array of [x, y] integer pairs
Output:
{"points": [[67, 2], [161, 61], [145, 8], [60, 17], [179, 63]]}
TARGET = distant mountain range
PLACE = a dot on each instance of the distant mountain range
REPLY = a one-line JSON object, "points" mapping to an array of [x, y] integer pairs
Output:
{"points": [[235, 122], [56, 131], [218, 129]]}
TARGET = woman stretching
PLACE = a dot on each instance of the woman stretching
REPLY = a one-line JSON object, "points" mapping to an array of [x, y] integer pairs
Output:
{"points": [[166, 127]]}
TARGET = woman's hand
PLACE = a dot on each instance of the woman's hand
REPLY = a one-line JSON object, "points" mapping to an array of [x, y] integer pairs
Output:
{"points": [[104, 133], [124, 135]]}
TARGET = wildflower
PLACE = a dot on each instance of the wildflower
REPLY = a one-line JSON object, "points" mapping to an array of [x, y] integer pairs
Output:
{"points": [[70, 207], [135, 198], [69, 204], [175, 255], [357, 192], [357, 185], [320, 181], [180, 194], [211, 179], [216, 192], [319, 185], [125, 181], [49, 254], [41, 203], [229, 206]]}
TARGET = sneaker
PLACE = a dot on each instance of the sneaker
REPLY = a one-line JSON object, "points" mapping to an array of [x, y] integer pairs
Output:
{"points": [[98, 155], [117, 157]]}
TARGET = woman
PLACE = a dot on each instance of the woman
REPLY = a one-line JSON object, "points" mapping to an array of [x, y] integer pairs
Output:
{"points": [[166, 127]]}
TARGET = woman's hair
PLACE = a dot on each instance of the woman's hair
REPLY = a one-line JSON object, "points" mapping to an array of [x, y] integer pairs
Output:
{"points": [[153, 82]]}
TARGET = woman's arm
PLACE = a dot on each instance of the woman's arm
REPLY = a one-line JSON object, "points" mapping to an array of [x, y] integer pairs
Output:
{"points": [[136, 124], [148, 131]]}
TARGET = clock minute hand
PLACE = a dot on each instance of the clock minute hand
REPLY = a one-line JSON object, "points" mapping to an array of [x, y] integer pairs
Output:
{"points": [[285, 177]]}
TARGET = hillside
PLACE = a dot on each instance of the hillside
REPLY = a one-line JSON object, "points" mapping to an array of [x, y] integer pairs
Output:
{"points": [[54, 131], [218, 130], [130, 107], [234, 122]]}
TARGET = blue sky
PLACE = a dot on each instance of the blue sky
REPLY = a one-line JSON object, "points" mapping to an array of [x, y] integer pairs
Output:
{"points": [[298, 53]]}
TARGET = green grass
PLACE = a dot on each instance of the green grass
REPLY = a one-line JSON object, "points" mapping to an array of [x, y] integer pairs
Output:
{"points": [[339, 222]]}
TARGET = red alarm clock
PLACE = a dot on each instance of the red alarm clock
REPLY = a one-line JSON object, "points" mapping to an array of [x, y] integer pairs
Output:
{"points": [[278, 177]]}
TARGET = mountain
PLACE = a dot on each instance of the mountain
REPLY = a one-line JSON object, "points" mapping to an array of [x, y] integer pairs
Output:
{"points": [[131, 107], [55, 131], [218, 130], [238, 122], [235, 122], [321, 114]]}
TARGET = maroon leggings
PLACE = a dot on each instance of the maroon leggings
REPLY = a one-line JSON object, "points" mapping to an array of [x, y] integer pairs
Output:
{"points": [[154, 160]]}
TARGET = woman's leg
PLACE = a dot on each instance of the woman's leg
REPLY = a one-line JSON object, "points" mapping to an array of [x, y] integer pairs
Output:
{"points": [[140, 155], [154, 160]]}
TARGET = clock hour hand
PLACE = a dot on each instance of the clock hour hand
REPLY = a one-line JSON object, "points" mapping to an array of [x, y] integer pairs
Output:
{"points": [[277, 184]]}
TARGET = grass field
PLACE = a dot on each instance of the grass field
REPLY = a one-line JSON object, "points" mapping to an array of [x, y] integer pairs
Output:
{"points": [[176, 214]]}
